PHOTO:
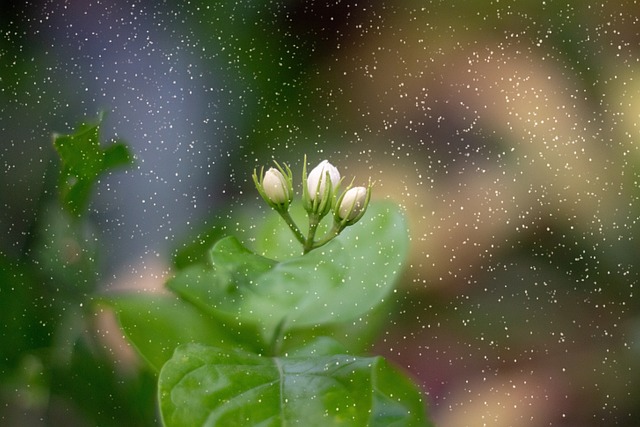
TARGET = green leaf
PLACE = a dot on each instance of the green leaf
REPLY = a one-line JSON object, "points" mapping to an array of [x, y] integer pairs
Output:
{"points": [[83, 161], [156, 324], [323, 288], [347, 278], [207, 386], [220, 288]]}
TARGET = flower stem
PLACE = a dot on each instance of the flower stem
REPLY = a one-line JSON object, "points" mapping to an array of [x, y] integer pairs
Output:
{"points": [[292, 225], [309, 243], [333, 233]]}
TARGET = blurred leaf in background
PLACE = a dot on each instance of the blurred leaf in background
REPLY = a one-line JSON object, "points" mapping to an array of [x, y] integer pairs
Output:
{"points": [[83, 161]]}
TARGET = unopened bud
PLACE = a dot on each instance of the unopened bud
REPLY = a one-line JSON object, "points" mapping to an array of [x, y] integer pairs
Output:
{"points": [[317, 180], [276, 187], [353, 203]]}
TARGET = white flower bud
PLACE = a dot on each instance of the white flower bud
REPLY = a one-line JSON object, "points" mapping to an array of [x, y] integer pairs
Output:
{"points": [[316, 182], [276, 187], [352, 204]]}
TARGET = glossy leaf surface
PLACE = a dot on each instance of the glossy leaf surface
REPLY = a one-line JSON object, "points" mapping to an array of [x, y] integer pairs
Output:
{"points": [[327, 286], [206, 386]]}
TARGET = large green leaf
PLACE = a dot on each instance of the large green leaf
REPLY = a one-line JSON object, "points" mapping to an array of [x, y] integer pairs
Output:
{"points": [[338, 283], [157, 323], [347, 278], [207, 386]]}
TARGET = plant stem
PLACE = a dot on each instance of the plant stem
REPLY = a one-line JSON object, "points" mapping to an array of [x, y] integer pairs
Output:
{"points": [[335, 230], [314, 220], [292, 225]]}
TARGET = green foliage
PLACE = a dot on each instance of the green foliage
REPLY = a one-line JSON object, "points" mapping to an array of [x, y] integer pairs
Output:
{"points": [[157, 324], [204, 385], [83, 161], [268, 340], [25, 319], [246, 337], [52, 361], [106, 395], [264, 304]]}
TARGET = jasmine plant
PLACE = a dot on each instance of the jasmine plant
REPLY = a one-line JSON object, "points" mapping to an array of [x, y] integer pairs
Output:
{"points": [[257, 336]]}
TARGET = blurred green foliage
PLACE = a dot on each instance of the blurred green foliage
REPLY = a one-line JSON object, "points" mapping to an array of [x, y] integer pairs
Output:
{"points": [[83, 161], [53, 364]]}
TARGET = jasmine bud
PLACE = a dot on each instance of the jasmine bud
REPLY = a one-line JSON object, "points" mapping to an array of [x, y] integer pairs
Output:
{"points": [[317, 180], [276, 187], [353, 203]]}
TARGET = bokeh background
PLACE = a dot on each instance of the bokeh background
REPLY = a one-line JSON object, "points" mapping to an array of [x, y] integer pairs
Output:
{"points": [[509, 130]]}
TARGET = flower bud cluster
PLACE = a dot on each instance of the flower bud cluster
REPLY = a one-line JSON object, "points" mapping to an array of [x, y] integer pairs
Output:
{"points": [[319, 197]]}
